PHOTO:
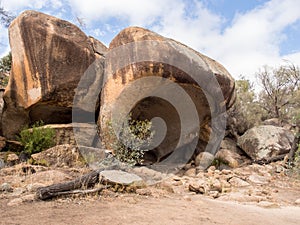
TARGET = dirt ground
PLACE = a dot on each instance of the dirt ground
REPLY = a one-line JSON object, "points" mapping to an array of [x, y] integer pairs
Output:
{"points": [[272, 199], [134, 209]]}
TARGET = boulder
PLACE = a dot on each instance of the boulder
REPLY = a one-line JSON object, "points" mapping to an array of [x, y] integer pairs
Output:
{"points": [[266, 141], [59, 156], [49, 58], [141, 87], [120, 177]]}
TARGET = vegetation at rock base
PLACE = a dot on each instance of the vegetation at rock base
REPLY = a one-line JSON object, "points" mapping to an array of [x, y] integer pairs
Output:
{"points": [[133, 138], [37, 139]]}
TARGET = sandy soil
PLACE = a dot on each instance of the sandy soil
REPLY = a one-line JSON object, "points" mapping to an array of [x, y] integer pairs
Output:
{"points": [[171, 202], [136, 209]]}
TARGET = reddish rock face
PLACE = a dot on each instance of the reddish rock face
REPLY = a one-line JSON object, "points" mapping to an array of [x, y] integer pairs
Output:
{"points": [[115, 87], [49, 57]]}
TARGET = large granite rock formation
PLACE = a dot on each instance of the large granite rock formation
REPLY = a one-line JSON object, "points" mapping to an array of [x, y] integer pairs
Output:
{"points": [[141, 45], [52, 61], [49, 57]]}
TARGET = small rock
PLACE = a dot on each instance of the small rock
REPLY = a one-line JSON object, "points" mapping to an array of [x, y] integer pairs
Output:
{"points": [[12, 159], [204, 160], [226, 172], [297, 202], [211, 168], [34, 186], [2, 164], [190, 172], [15, 202], [228, 157], [144, 191], [216, 186], [6, 187], [214, 194], [279, 169], [28, 198], [197, 188], [238, 182], [257, 179], [18, 191], [266, 204]]}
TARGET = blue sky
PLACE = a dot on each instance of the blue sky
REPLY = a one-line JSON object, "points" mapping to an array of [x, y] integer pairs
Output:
{"points": [[243, 35]]}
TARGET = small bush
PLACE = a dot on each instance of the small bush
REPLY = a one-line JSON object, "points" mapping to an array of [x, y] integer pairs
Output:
{"points": [[132, 141], [37, 139]]}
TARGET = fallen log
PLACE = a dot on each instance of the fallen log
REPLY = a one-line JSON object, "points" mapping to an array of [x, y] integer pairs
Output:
{"points": [[79, 192], [107, 176], [85, 181]]}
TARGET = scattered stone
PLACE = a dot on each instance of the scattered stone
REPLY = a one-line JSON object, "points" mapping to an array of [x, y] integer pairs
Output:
{"points": [[228, 157], [297, 202], [34, 186], [190, 172], [214, 194], [226, 172], [6, 187], [15, 202], [144, 191], [257, 179], [198, 188], [204, 160], [240, 197], [266, 204], [216, 186], [279, 169], [18, 191], [28, 198], [12, 159], [120, 177], [238, 182], [2, 164]]}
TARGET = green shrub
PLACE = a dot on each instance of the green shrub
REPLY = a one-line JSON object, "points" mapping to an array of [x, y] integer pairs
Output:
{"points": [[132, 142], [37, 139]]}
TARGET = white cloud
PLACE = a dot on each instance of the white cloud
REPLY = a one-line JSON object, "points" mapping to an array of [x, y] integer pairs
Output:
{"points": [[134, 11], [251, 40], [254, 38]]}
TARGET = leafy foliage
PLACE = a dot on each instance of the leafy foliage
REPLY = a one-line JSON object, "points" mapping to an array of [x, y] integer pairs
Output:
{"points": [[280, 96], [5, 17], [37, 139], [5, 66], [134, 137], [5, 63], [246, 111]]}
